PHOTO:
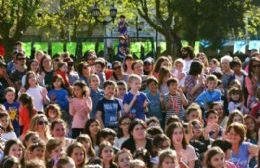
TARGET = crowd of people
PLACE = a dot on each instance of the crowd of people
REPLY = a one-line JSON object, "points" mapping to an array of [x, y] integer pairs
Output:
{"points": [[188, 112]]}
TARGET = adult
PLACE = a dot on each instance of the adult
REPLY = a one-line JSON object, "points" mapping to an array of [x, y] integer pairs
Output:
{"points": [[148, 65], [194, 81], [47, 70], [241, 150], [4, 80], [118, 73], [39, 55], [161, 61], [204, 59], [72, 74], [187, 55], [84, 71], [228, 74], [128, 64]]}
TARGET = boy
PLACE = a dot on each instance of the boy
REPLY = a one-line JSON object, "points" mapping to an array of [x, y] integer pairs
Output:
{"points": [[213, 130], [155, 99], [121, 91], [211, 94], [108, 108], [175, 99], [12, 107], [95, 93], [135, 102]]}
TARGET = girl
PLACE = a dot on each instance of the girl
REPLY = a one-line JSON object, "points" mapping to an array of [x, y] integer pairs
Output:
{"points": [[77, 152], [164, 75], [53, 152], [59, 93], [236, 116], [65, 162], [123, 158], [106, 153], [15, 148], [236, 100], [215, 158], [46, 70], [204, 59], [79, 107], [178, 71], [252, 130], [34, 66], [37, 151], [58, 131], [123, 133], [168, 159], [10, 162], [26, 113], [161, 61], [214, 66], [84, 70], [39, 124], [53, 112], [62, 71], [92, 128], [6, 123], [30, 138], [38, 93], [175, 132], [85, 140], [128, 64], [193, 112]]}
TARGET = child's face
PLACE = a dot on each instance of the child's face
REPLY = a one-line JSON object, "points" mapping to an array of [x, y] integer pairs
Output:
{"points": [[212, 64], [136, 85], [121, 90], [217, 161], [173, 87], [56, 153], [124, 160], [86, 144], [235, 96], [10, 96], [94, 82], [169, 163], [78, 92], [32, 79], [237, 118], [179, 66], [57, 83], [16, 151], [78, 156], [107, 153], [197, 130], [64, 68], [237, 68], [177, 136], [98, 68], [212, 85], [109, 91], [250, 124], [110, 139], [34, 66], [153, 87], [212, 118], [38, 152], [58, 131], [193, 115], [4, 121], [165, 79], [52, 113]]}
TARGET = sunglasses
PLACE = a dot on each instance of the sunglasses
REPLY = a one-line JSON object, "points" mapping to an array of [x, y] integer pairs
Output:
{"points": [[42, 122]]}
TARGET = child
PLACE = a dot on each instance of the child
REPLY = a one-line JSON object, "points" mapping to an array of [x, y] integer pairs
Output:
{"points": [[62, 71], [53, 112], [106, 153], [214, 66], [121, 91], [77, 152], [212, 127], [95, 92], [122, 133], [39, 94], [54, 151], [58, 94], [108, 108], [12, 106], [236, 100], [175, 99], [135, 102], [85, 140], [122, 25], [7, 127], [79, 107], [193, 112], [178, 71], [26, 113], [215, 158], [211, 94], [65, 162], [123, 158], [164, 75], [168, 159], [37, 150], [99, 70], [155, 99]]}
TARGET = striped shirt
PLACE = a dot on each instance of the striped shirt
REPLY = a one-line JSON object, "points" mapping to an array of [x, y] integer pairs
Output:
{"points": [[174, 105]]}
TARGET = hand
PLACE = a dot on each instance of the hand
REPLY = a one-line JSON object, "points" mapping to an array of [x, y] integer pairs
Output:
{"points": [[22, 90], [180, 91], [70, 99], [146, 103], [44, 92]]}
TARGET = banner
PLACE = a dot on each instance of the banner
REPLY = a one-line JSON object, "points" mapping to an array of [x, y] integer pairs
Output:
{"points": [[135, 48], [240, 46], [254, 44]]}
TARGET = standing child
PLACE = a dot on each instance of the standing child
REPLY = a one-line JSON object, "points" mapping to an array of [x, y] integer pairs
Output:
{"points": [[164, 75], [79, 107], [178, 71], [58, 94], [135, 102], [26, 113], [155, 99], [211, 94], [12, 106], [236, 100], [108, 108], [121, 91], [95, 92], [175, 100], [62, 71], [100, 65]]}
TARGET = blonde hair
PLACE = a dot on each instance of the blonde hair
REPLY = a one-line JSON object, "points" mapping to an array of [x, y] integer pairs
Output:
{"points": [[34, 123], [137, 163], [134, 77]]}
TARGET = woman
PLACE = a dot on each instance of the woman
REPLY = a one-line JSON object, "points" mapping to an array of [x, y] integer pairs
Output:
{"points": [[138, 138], [118, 73], [46, 70], [92, 128], [241, 150], [84, 70], [204, 59], [161, 61], [128, 64], [123, 133], [39, 124], [186, 152], [194, 81], [58, 131]]}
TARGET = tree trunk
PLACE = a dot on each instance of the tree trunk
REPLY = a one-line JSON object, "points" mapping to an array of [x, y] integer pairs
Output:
{"points": [[173, 45]]}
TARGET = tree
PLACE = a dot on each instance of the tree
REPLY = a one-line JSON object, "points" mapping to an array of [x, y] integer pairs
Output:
{"points": [[15, 17], [192, 20]]}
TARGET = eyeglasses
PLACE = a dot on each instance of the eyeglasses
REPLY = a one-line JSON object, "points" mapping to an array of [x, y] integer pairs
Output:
{"points": [[125, 123], [42, 122]]}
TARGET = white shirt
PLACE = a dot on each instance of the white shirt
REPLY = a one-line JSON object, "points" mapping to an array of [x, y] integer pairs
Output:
{"points": [[36, 95]]}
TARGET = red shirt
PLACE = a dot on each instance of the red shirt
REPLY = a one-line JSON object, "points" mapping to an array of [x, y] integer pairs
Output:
{"points": [[24, 119]]}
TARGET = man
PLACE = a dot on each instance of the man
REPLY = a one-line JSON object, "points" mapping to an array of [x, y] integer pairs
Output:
{"points": [[148, 65], [20, 70], [4, 80]]}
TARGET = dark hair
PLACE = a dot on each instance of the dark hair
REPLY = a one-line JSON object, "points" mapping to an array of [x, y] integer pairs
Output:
{"points": [[195, 68], [41, 63], [251, 72], [210, 153], [248, 132], [83, 86], [151, 120], [189, 51], [151, 80], [212, 78], [26, 100], [234, 90], [158, 141], [239, 129], [53, 107], [109, 83], [76, 145], [170, 129], [210, 112], [87, 126], [232, 116], [223, 144], [172, 119], [121, 119], [158, 63], [154, 130], [104, 133], [172, 81], [10, 143], [57, 121], [9, 162], [81, 66], [83, 138], [10, 125], [39, 144], [134, 123], [19, 54], [27, 85], [57, 76], [136, 62], [101, 63]]}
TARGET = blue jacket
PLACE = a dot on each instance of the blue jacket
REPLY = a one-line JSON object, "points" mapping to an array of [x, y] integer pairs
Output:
{"points": [[207, 97]]}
